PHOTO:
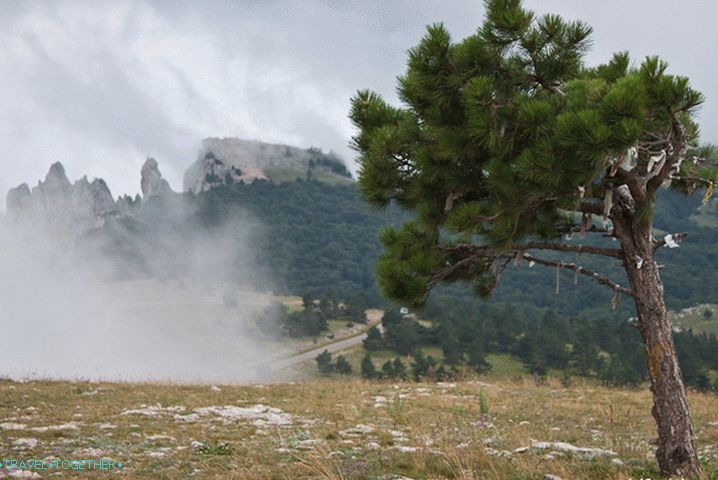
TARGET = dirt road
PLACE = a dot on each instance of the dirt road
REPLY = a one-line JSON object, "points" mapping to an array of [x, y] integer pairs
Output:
{"points": [[374, 318]]}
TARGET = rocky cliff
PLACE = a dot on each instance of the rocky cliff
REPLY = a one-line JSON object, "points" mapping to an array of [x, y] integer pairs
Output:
{"points": [[224, 161], [69, 208], [61, 205], [152, 182]]}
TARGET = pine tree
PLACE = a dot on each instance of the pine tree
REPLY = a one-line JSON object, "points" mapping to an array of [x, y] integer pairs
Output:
{"points": [[368, 370], [324, 363], [449, 341], [387, 370], [477, 357], [399, 369], [374, 340], [420, 365], [506, 144], [343, 366]]}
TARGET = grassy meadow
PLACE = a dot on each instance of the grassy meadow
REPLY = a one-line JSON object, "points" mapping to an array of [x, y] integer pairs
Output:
{"points": [[480, 428]]}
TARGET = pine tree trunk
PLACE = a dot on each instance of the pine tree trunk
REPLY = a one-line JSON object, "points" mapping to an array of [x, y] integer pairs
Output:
{"points": [[676, 453]]}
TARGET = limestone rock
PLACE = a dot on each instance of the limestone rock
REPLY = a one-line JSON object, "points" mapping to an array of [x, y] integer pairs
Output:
{"points": [[152, 182], [18, 200], [59, 206], [126, 205], [223, 161]]}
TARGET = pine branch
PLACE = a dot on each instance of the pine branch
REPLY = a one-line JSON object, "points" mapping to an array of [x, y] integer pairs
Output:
{"points": [[450, 270], [579, 269], [471, 249], [564, 247]]}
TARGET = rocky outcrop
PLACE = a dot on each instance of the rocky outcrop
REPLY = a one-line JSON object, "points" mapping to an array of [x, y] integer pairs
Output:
{"points": [[209, 172], [92, 200], [66, 208], [19, 199], [60, 205], [127, 206], [223, 161], [152, 182]]}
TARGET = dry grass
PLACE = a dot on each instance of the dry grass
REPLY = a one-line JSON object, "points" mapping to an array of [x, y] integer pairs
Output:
{"points": [[439, 433]]}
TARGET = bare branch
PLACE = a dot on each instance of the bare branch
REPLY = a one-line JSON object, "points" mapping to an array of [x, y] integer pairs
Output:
{"points": [[476, 252], [678, 153], [634, 182], [579, 269], [451, 269], [704, 181], [522, 247]]}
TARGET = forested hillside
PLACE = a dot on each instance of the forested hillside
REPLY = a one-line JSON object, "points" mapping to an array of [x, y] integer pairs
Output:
{"points": [[312, 237]]}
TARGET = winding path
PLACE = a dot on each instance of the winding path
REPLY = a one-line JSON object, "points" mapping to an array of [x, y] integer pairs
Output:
{"points": [[374, 318]]}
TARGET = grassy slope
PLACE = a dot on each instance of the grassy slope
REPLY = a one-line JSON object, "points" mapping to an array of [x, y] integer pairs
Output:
{"points": [[421, 430], [693, 318]]}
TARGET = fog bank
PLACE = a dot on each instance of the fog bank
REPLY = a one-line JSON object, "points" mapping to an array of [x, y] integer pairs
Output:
{"points": [[66, 311]]}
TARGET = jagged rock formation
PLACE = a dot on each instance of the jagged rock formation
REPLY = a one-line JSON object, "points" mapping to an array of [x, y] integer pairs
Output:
{"points": [[152, 182], [19, 199], [127, 206], [92, 199], [223, 161], [66, 208], [60, 205], [209, 172]]}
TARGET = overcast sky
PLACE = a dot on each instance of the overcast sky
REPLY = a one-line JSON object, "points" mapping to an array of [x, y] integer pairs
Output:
{"points": [[101, 85]]}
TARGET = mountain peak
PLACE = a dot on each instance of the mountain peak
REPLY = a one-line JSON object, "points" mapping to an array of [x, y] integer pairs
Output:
{"points": [[57, 176], [152, 182]]}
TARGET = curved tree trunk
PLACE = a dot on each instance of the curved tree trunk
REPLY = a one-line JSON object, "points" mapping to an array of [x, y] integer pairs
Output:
{"points": [[676, 453]]}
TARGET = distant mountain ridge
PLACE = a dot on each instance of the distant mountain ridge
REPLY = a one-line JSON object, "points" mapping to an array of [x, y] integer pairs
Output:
{"points": [[77, 207]]}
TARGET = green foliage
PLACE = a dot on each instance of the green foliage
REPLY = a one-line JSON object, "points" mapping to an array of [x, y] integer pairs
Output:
{"points": [[331, 162], [423, 366], [387, 370], [324, 363], [312, 320], [398, 369], [483, 402], [323, 238], [374, 340], [497, 135], [215, 449], [343, 366], [603, 347], [368, 370], [396, 409], [326, 367], [402, 334]]}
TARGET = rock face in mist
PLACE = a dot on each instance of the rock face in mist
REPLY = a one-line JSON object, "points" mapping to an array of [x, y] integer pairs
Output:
{"points": [[127, 206], [152, 182], [61, 205], [71, 208], [223, 161], [19, 199]]}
